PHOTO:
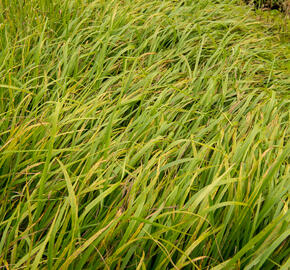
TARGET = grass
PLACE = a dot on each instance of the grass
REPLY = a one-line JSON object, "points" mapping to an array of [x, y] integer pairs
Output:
{"points": [[143, 135]]}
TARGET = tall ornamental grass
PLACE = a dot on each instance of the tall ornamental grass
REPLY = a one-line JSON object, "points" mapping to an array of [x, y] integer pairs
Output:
{"points": [[143, 134]]}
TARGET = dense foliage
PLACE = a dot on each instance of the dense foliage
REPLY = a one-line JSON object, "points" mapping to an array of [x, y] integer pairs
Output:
{"points": [[143, 134]]}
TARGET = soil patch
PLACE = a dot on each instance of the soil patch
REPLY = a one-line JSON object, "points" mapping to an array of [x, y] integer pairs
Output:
{"points": [[281, 5]]}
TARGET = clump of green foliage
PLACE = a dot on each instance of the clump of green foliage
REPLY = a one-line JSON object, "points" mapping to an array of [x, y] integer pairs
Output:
{"points": [[142, 134]]}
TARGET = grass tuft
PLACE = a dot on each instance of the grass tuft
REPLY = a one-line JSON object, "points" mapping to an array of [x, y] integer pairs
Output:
{"points": [[143, 135]]}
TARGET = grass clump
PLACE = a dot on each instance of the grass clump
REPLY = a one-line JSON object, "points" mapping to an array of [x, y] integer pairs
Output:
{"points": [[142, 135]]}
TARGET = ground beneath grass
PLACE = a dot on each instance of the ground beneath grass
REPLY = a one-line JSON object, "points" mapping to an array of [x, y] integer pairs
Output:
{"points": [[143, 135], [281, 5]]}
